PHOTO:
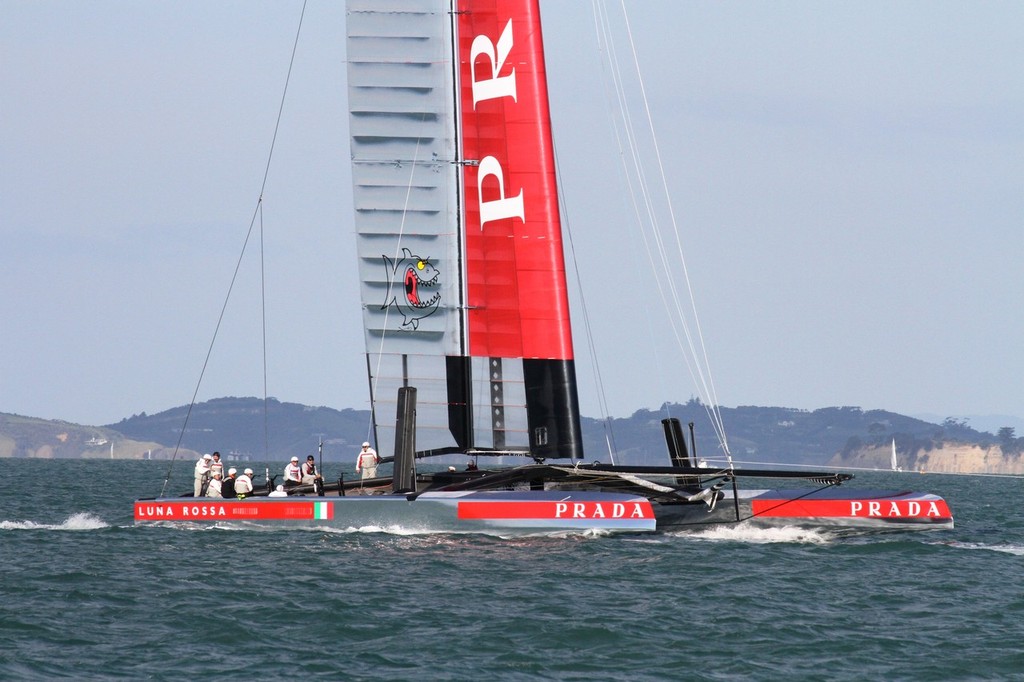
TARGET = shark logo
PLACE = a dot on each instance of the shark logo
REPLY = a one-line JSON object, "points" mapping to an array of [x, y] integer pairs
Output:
{"points": [[413, 277]]}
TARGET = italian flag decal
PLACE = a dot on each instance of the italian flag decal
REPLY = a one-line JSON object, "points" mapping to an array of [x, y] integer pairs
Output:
{"points": [[323, 510]]}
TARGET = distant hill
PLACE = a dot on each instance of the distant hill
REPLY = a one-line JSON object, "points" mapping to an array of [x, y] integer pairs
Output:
{"points": [[778, 434], [833, 436], [47, 439], [236, 427], [763, 434]]}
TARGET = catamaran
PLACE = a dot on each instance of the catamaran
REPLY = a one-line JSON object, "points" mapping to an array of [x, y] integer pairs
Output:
{"points": [[469, 346]]}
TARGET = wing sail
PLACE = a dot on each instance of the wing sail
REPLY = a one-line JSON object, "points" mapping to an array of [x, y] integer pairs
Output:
{"points": [[458, 235]]}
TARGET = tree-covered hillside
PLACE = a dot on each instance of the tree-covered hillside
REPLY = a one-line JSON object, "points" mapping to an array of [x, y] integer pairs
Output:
{"points": [[772, 434], [248, 428], [756, 434]]}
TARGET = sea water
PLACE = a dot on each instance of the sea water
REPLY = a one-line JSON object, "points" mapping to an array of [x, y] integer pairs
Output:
{"points": [[87, 595]]}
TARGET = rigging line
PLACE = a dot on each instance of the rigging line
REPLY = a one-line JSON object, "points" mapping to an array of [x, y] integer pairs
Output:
{"points": [[263, 311], [605, 412], [263, 186], [209, 350], [391, 282], [693, 365], [783, 503], [602, 399], [637, 185], [638, 169], [675, 226], [914, 472], [617, 96], [697, 373], [702, 368], [238, 264], [589, 333], [603, 36], [614, 77], [284, 94]]}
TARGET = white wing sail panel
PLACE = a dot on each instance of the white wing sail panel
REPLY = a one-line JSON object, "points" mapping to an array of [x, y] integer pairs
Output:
{"points": [[402, 119], [404, 173]]}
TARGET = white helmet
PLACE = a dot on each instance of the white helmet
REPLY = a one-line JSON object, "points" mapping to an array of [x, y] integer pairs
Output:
{"points": [[248, 472], [366, 445], [232, 471]]}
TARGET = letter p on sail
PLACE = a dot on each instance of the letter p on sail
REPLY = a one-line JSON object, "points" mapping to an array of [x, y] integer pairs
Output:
{"points": [[501, 208]]}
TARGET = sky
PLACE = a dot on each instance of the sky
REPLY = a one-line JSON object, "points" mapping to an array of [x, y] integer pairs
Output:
{"points": [[847, 178]]}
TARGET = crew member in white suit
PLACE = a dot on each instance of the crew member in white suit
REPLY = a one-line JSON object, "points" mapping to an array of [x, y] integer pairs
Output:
{"points": [[202, 474], [292, 473], [367, 461], [243, 485], [213, 488]]}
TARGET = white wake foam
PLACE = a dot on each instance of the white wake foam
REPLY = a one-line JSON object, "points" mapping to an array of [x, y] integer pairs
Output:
{"points": [[759, 535], [79, 521], [504, 533]]}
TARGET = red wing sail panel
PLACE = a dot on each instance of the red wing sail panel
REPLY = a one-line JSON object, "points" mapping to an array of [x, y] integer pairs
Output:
{"points": [[518, 306]]}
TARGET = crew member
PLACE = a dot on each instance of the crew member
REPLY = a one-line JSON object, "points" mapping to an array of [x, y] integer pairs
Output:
{"points": [[202, 475], [215, 486], [243, 485], [292, 473], [367, 461], [227, 486], [216, 465], [309, 472], [278, 492]]}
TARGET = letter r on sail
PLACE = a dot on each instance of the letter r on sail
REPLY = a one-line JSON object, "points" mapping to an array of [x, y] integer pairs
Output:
{"points": [[496, 86]]}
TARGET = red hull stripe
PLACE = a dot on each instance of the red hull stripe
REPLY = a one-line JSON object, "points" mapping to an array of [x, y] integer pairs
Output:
{"points": [[868, 509], [594, 511], [518, 306], [232, 511]]}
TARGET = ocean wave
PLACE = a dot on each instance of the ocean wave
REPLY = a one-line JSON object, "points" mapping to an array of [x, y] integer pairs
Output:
{"points": [[79, 521], [1017, 550], [760, 536]]}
